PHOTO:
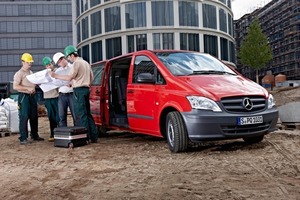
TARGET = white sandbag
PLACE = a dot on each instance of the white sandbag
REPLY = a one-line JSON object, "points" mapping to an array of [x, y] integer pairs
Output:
{"points": [[12, 114]]}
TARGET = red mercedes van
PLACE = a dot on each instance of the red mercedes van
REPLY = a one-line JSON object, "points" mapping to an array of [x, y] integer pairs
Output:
{"points": [[179, 95]]}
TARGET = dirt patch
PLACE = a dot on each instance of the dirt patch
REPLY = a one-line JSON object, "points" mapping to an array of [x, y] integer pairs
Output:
{"points": [[284, 95], [130, 166]]}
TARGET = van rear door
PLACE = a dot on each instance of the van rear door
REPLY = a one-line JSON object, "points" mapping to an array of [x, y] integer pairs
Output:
{"points": [[96, 92]]}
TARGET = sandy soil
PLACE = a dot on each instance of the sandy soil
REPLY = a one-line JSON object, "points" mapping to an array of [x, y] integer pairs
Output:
{"points": [[130, 166]]}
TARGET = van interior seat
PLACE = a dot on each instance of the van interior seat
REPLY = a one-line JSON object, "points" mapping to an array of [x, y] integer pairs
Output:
{"points": [[121, 86]]}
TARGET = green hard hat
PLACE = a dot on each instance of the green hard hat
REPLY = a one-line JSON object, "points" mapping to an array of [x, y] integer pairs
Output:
{"points": [[46, 61], [69, 50]]}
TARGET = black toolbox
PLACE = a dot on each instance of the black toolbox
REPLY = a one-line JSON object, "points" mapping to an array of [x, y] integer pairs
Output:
{"points": [[70, 137]]}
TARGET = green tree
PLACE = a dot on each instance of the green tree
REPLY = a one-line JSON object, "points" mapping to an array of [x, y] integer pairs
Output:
{"points": [[255, 51]]}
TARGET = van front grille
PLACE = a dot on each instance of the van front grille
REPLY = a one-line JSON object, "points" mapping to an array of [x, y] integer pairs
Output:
{"points": [[236, 105]]}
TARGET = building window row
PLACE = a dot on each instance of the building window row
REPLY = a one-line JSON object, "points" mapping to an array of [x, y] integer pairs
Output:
{"points": [[188, 41], [15, 60], [35, 10], [34, 43], [85, 6], [162, 15], [35, 26]]}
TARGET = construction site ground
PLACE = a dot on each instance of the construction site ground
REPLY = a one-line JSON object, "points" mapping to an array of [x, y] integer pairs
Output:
{"points": [[132, 166]]}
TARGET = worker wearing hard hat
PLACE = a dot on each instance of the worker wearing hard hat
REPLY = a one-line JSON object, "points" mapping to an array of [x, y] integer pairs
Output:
{"points": [[65, 98], [51, 101], [27, 103], [81, 76]]}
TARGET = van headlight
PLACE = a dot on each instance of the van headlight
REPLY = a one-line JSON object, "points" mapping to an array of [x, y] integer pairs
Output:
{"points": [[271, 101], [203, 103]]}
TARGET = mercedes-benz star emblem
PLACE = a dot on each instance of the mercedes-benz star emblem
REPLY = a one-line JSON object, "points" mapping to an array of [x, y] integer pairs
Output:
{"points": [[247, 103]]}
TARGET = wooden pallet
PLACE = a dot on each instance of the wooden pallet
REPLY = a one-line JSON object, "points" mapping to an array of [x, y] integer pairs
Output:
{"points": [[4, 132], [291, 126]]}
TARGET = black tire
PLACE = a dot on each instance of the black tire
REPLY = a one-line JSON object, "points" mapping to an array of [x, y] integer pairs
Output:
{"points": [[176, 132], [253, 140], [102, 132]]}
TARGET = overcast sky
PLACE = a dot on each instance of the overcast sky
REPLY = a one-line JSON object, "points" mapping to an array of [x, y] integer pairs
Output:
{"points": [[242, 7]]}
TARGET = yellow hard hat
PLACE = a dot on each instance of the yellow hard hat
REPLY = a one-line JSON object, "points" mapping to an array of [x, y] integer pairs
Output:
{"points": [[27, 57]]}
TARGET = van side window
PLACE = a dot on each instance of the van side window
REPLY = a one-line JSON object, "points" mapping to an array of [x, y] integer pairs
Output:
{"points": [[97, 72], [143, 64]]}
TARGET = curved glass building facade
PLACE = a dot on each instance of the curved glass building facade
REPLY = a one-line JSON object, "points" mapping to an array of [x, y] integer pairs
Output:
{"points": [[108, 28]]}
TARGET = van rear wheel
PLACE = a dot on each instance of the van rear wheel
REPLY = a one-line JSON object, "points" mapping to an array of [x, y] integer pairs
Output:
{"points": [[176, 132]]}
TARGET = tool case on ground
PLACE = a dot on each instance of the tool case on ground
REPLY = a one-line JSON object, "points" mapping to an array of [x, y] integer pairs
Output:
{"points": [[74, 136]]}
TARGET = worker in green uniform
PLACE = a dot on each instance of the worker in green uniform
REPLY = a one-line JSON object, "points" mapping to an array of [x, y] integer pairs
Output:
{"points": [[82, 77], [51, 101], [27, 103]]}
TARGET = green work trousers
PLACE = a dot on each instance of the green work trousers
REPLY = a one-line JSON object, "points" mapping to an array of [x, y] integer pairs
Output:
{"points": [[27, 105], [52, 112], [83, 111]]}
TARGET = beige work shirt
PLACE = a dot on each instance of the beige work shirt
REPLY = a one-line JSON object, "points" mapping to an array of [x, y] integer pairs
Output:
{"points": [[20, 78], [81, 73]]}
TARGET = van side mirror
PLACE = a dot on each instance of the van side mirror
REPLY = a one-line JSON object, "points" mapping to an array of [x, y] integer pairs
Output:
{"points": [[145, 78]]}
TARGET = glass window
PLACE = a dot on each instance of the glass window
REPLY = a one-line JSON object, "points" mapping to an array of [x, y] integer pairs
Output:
{"points": [[97, 51], [85, 28], [136, 42], [113, 47], [130, 43], [223, 1], [142, 64], [96, 23], [209, 16], [231, 52], [78, 33], [3, 27], [141, 42], [112, 19], [163, 41], [162, 13], [77, 8], [97, 72], [188, 13], [168, 40], [135, 15], [230, 25], [223, 20], [229, 3], [189, 41], [156, 41], [95, 2], [2, 10], [187, 63], [211, 45], [224, 48], [85, 53]]}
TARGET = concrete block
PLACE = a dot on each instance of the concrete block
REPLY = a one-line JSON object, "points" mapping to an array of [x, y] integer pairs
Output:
{"points": [[290, 112]]}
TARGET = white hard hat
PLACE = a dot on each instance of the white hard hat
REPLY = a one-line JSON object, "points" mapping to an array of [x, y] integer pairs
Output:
{"points": [[57, 56]]}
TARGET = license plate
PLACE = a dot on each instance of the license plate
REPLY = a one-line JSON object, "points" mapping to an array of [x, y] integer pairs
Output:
{"points": [[250, 120]]}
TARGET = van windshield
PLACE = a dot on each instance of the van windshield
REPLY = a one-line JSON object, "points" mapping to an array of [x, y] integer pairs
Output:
{"points": [[192, 63]]}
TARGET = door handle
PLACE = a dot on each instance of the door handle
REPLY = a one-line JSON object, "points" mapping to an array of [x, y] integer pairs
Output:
{"points": [[130, 91]]}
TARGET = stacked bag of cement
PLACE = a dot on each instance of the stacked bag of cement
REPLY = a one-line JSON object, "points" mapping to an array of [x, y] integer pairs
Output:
{"points": [[9, 117], [3, 119]]}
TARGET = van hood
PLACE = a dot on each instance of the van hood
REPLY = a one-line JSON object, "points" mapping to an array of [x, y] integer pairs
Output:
{"points": [[219, 86]]}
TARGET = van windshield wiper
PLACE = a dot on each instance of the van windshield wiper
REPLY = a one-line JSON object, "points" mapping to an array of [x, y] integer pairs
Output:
{"points": [[211, 72]]}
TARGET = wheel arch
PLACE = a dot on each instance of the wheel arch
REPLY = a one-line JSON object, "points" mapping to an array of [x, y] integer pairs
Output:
{"points": [[162, 119]]}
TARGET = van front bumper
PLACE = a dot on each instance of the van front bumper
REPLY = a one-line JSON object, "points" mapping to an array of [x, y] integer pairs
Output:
{"points": [[207, 125]]}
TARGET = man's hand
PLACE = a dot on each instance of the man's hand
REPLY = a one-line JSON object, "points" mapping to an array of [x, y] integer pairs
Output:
{"points": [[52, 74]]}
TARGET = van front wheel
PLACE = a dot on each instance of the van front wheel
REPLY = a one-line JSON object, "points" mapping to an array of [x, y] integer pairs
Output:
{"points": [[176, 132]]}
